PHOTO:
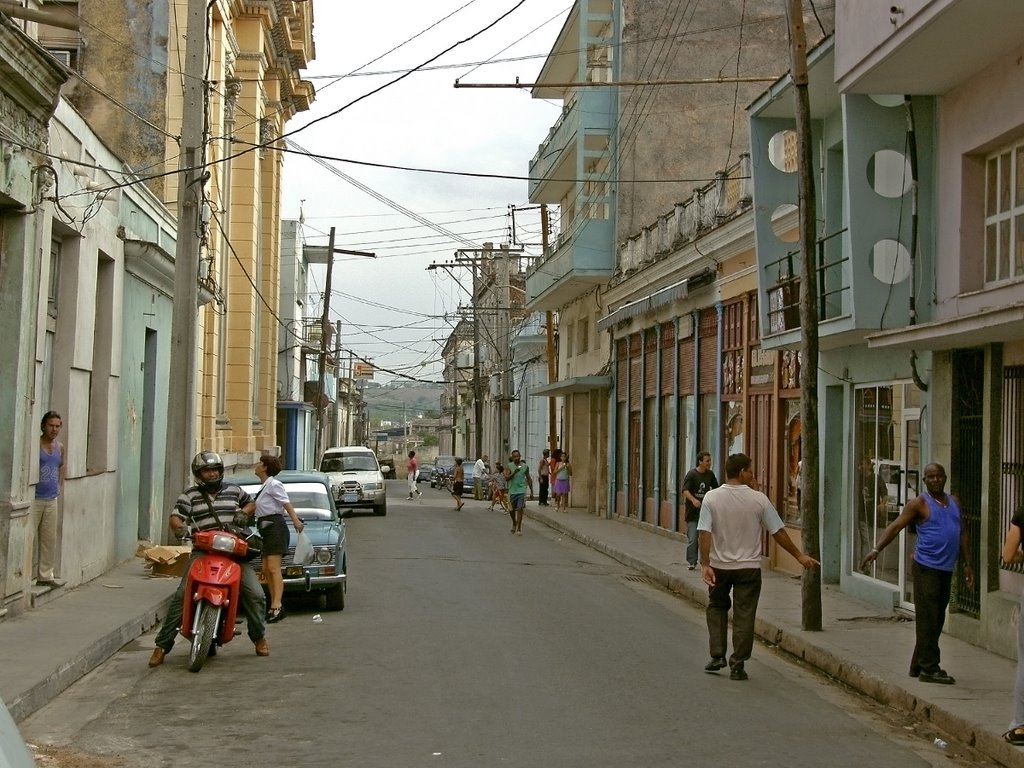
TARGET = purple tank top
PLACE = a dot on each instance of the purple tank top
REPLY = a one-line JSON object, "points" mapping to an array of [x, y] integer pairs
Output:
{"points": [[938, 537], [48, 487]]}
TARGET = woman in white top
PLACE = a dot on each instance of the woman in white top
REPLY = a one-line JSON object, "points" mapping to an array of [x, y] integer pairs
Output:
{"points": [[271, 504]]}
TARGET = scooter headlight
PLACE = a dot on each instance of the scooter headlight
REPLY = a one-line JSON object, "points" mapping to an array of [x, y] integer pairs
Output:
{"points": [[225, 542]]}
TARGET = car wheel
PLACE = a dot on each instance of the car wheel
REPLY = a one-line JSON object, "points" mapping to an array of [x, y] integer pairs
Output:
{"points": [[382, 509], [334, 598]]}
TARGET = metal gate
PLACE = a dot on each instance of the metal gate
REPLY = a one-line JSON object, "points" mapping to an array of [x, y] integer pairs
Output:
{"points": [[968, 451]]}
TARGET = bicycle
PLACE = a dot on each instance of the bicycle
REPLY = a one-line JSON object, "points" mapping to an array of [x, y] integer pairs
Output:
{"points": [[444, 483]]}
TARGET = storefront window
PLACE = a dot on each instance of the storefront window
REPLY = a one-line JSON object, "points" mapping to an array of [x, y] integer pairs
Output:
{"points": [[708, 424], [886, 475]]}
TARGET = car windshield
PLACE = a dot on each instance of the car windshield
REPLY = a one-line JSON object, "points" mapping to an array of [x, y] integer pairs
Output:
{"points": [[353, 463], [310, 500]]}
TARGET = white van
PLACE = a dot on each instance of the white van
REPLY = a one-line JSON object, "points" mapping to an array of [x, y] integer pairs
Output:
{"points": [[356, 479]]}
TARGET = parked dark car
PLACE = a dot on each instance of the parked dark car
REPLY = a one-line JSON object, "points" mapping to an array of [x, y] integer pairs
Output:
{"points": [[424, 472], [310, 494]]}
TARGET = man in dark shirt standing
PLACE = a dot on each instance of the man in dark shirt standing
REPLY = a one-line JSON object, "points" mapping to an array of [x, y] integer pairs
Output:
{"points": [[697, 482]]}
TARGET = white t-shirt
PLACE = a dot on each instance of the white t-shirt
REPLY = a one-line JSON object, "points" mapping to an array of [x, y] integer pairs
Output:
{"points": [[736, 515], [271, 499], [478, 469]]}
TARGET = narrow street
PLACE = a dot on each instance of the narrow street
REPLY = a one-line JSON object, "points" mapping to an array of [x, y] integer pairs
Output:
{"points": [[462, 645]]}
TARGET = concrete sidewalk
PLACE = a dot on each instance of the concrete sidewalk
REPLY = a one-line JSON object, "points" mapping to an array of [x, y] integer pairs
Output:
{"points": [[859, 645], [45, 650]]}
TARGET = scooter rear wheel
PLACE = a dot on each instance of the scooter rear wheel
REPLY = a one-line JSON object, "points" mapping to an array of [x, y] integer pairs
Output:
{"points": [[206, 628]]}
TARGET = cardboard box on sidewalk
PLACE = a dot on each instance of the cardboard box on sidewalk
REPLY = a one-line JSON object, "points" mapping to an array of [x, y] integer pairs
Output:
{"points": [[165, 561]]}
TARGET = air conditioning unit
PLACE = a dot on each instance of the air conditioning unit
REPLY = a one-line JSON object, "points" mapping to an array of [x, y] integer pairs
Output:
{"points": [[465, 360]]}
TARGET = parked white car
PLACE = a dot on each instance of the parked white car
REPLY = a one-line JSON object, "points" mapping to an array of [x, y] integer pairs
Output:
{"points": [[356, 479]]}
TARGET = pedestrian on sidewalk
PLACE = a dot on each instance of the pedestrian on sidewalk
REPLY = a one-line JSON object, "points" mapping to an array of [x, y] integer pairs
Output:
{"points": [[48, 491], [697, 482], [543, 476], [212, 504], [272, 503], [479, 477], [1012, 554], [458, 483], [563, 471], [732, 518], [412, 469], [940, 538], [518, 476]]}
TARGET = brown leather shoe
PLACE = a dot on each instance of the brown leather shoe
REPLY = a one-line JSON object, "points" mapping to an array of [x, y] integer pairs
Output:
{"points": [[157, 657], [262, 649]]}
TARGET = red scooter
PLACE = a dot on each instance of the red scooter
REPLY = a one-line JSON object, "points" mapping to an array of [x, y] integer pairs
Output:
{"points": [[212, 593]]}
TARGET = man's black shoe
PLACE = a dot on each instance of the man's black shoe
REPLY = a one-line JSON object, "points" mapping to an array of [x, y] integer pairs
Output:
{"points": [[938, 676], [738, 673], [715, 664]]}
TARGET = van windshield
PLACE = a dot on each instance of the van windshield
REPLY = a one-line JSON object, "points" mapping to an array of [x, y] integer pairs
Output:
{"points": [[357, 462]]}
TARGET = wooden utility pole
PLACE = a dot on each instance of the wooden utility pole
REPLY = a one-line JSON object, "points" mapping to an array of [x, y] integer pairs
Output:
{"points": [[549, 318], [325, 330], [181, 401], [811, 584]]}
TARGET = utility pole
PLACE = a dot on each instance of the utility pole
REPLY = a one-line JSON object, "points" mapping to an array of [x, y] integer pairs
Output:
{"points": [[318, 254], [503, 345], [325, 327], [549, 318], [336, 421], [181, 405], [478, 399], [351, 384], [811, 583]]}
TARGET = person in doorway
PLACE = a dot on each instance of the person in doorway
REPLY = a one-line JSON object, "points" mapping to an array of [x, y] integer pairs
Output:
{"points": [[543, 476], [560, 488], [412, 469], [732, 519], [479, 477], [271, 505], [518, 476], [1012, 553], [941, 537], [697, 482], [212, 504], [458, 483], [872, 504], [48, 491]]}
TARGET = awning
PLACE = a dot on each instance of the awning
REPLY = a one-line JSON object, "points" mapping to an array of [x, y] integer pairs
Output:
{"points": [[573, 385], [659, 298], [977, 329]]}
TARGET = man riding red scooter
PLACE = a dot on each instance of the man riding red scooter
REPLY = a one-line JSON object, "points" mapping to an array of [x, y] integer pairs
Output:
{"points": [[212, 505]]}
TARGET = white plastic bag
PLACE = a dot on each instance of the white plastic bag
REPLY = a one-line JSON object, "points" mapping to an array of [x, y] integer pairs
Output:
{"points": [[303, 549]]}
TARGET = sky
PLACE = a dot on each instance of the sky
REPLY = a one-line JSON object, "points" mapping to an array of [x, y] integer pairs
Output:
{"points": [[394, 311]]}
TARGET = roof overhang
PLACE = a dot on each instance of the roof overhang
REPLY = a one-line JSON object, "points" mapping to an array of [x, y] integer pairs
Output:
{"points": [[675, 292], [988, 326], [571, 386]]}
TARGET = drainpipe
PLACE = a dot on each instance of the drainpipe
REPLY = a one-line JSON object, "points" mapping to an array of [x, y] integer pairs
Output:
{"points": [[914, 203], [17, 11]]}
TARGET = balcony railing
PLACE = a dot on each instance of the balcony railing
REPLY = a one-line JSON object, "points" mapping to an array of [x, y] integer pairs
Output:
{"points": [[783, 295]]}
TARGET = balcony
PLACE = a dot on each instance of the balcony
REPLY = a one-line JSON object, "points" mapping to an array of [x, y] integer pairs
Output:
{"points": [[586, 118], [572, 266], [920, 46]]}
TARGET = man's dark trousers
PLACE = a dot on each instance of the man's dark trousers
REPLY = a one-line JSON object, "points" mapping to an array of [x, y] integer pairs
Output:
{"points": [[745, 585], [543, 489], [931, 597]]}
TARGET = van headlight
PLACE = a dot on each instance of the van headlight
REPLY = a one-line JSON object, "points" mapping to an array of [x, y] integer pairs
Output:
{"points": [[371, 486]]}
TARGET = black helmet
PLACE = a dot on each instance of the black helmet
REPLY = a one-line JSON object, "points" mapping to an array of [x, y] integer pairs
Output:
{"points": [[208, 460]]}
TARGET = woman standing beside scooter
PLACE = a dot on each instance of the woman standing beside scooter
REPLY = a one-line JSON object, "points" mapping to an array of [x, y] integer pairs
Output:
{"points": [[271, 504]]}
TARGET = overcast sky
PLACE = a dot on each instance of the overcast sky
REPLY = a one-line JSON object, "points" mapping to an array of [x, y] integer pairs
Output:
{"points": [[392, 308]]}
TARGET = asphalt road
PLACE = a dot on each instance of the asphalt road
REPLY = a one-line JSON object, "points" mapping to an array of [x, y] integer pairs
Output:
{"points": [[462, 645]]}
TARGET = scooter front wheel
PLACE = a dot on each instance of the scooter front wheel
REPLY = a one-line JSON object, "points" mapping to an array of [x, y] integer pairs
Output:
{"points": [[206, 627]]}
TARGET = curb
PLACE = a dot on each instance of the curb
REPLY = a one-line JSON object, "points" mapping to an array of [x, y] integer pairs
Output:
{"points": [[825, 661], [82, 663]]}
